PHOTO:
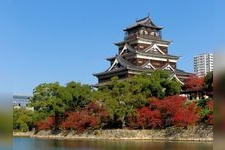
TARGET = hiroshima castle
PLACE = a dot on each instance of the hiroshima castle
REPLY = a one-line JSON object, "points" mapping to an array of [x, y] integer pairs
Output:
{"points": [[142, 50]]}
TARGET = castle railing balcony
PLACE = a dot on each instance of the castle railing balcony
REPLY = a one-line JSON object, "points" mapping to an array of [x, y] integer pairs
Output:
{"points": [[146, 36]]}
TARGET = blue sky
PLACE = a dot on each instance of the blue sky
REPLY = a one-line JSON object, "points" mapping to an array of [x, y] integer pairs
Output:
{"points": [[65, 40]]}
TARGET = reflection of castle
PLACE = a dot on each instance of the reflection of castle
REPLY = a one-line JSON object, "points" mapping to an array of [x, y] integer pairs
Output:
{"points": [[142, 50], [21, 101]]}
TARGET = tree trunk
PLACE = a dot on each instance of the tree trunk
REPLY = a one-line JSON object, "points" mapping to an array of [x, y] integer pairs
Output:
{"points": [[123, 122], [56, 122]]}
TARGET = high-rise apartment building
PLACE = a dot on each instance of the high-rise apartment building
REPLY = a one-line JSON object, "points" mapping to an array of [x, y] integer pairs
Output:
{"points": [[203, 63]]}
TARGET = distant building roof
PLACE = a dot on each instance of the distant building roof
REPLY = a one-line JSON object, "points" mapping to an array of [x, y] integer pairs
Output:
{"points": [[20, 100], [21, 97]]}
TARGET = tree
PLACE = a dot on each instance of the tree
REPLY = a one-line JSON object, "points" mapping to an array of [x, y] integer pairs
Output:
{"points": [[194, 83], [206, 113], [158, 84], [81, 95], [146, 118], [97, 110], [161, 85], [50, 99], [91, 117], [119, 102], [80, 121], [46, 124], [210, 114], [208, 82], [186, 115], [122, 98], [23, 119], [171, 87], [168, 108]]}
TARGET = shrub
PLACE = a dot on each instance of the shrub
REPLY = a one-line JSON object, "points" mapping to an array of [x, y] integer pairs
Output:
{"points": [[185, 116], [91, 117], [174, 111], [148, 118], [79, 121], [168, 107], [94, 108], [210, 115], [46, 124]]}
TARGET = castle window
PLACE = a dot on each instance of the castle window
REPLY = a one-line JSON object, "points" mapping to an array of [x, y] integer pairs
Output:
{"points": [[156, 64], [141, 46]]}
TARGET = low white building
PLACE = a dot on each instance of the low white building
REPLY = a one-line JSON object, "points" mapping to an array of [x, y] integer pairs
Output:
{"points": [[21, 101]]}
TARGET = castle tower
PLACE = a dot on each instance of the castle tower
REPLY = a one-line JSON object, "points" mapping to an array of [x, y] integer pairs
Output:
{"points": [[142, 50]]}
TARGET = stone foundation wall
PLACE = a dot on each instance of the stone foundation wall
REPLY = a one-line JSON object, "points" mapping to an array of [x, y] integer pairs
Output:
{"points": [[194, 133]]}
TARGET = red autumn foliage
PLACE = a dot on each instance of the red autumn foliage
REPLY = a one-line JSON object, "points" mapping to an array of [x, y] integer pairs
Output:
{"points": [[148, 118], [98, 111], [210, 115], [79, 121], [210, 105], [90, 118], [145, 119], [46, 124], [210, 119], [194, 83], [169, 105], [185, 116], [175, 112]]}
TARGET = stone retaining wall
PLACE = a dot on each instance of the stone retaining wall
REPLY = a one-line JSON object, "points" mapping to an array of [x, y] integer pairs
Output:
{"points": [[23, 134], [194, 133]]}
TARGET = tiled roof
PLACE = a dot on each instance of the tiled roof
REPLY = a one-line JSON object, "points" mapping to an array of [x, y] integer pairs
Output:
{"points": [[126, 65], [109, 72], [143, 22], [142, 39], [178, 71], [158, 55]]}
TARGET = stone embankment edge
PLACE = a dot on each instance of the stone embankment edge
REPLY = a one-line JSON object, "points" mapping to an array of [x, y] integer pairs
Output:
{"points": [[205, 135]]}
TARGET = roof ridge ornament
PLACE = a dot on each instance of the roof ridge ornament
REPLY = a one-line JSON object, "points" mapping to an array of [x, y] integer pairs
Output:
{"points": [[142, 19]]}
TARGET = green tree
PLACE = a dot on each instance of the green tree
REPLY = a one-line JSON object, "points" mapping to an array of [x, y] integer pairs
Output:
{"points": [[118, 99], [50, 99], [208, 81], [81, 95], [159, 84], [171, 87], [23, 119]]}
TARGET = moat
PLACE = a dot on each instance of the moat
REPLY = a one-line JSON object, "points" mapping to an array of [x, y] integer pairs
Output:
{"points": [[26, 143]]}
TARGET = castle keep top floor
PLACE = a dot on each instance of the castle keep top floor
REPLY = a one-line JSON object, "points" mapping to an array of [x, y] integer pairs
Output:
{"points": [[143, 34], [143, 28]]}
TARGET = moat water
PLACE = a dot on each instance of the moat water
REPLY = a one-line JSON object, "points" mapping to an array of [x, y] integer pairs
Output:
{"points": [[25, 143]]}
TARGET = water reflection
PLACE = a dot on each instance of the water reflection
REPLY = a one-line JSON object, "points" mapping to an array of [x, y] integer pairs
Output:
{"points": [[37, 144]]}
